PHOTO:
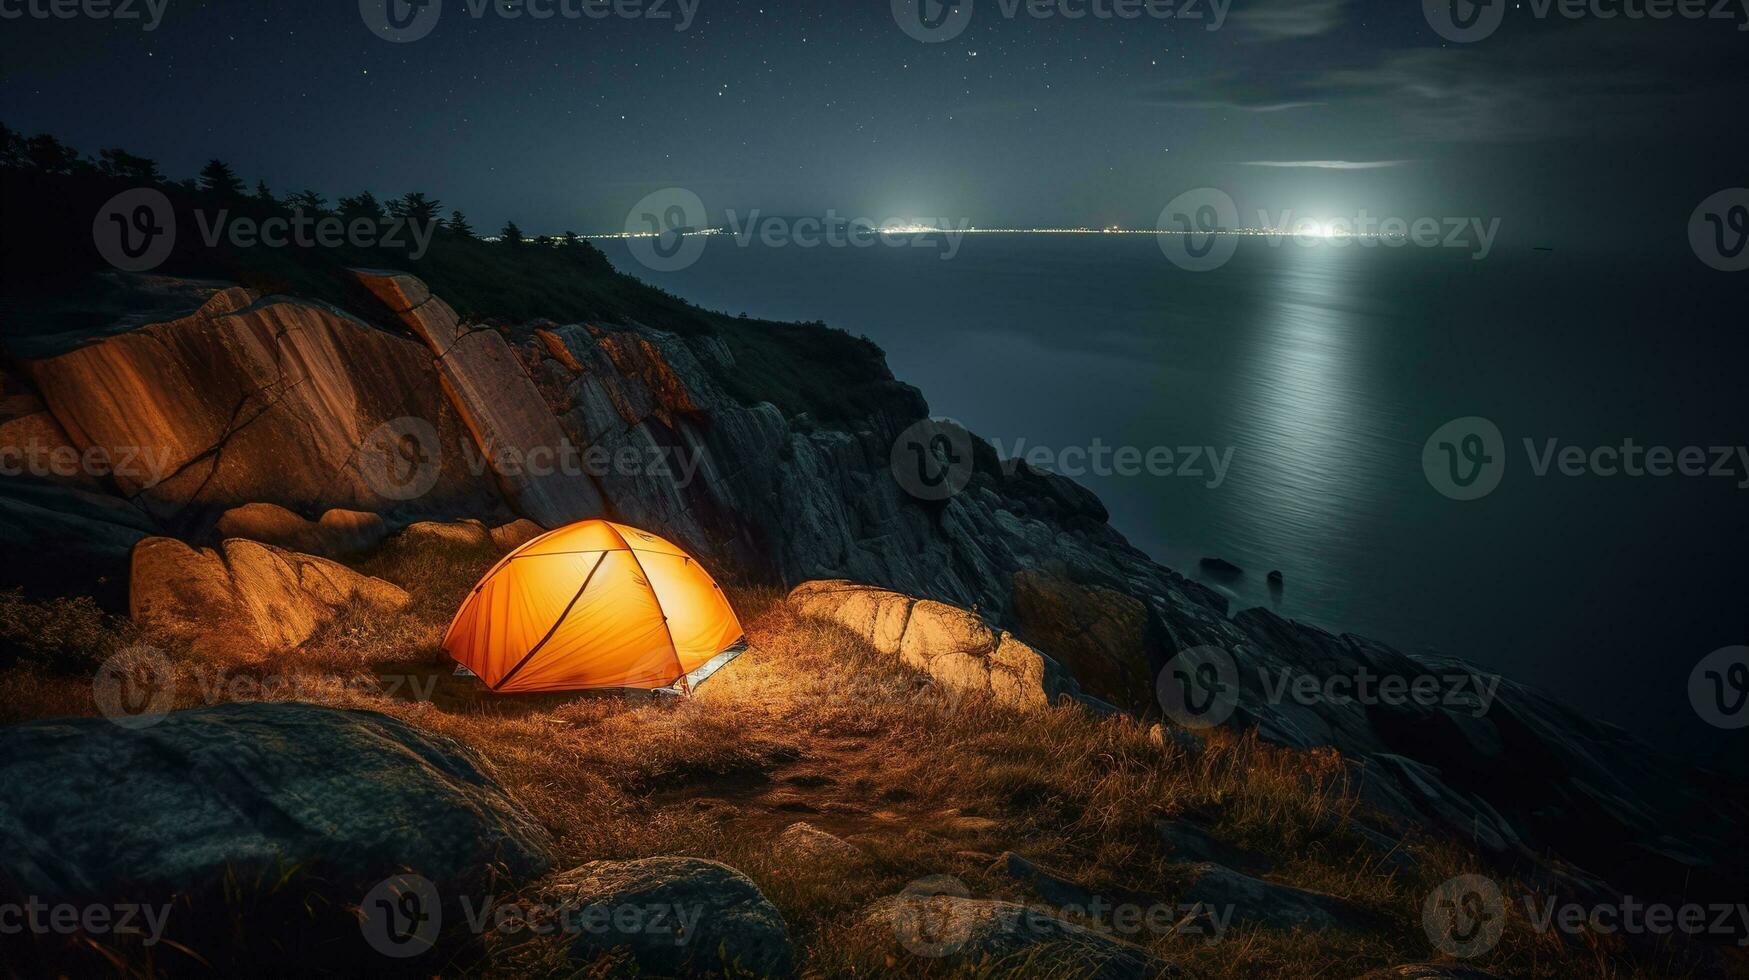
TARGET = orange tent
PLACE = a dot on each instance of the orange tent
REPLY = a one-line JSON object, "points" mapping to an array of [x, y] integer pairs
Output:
{"points": [[595, 604]]}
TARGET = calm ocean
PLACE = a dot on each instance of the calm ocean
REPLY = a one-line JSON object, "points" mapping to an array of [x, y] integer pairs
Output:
{"points": [[1319, 373]]}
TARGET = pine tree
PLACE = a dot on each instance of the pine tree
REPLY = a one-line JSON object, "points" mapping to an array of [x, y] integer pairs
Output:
{"points": [[49, 155], [416, 208], [363, 206], [11, 148], [458, 225], [571, 238], [309, 202], [265, 196], [511, 234], [219, 180], [116, 162]]}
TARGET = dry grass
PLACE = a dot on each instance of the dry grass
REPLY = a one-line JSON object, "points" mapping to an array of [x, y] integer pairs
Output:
{"points": [[814, 725]]}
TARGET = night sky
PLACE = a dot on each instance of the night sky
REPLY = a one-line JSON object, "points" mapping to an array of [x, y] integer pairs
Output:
{"points": [[1588, 132]]}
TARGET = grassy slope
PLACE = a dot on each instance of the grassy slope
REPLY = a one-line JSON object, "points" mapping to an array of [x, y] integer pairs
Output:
{"points": [[815, 725]]}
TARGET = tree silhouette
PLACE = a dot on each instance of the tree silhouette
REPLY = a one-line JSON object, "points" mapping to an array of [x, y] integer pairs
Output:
{"points": [[363, 206], [458, 225], [49, 155], [308, 201], [511, 234], [11, 148], [264, 195], [417, 208], [117, 162], [570, 238], [219, 180]]}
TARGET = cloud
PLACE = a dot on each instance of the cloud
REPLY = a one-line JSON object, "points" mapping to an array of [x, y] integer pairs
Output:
{"points": [[1281, 20], [1327, 164]]}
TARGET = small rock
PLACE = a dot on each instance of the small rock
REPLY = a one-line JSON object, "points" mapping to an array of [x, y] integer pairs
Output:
{"points": [[339, 532], [1047, 884], [804, 840], [1428, 971], [723, 923], [1276, 578], [1253, 901], [1187, 842], [1221, 568], [1186, 740], [464, 534], [966, 933], [509, 537]]}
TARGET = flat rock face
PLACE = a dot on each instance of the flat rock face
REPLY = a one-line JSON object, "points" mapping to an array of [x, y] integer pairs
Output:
{"points": [[950, 644], [247, 598], [253, 400], [87, 807], [500, 404], [695, 917], [962, 932]]}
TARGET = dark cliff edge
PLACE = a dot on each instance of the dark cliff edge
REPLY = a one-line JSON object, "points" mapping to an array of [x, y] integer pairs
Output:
{"points": [[765, 448]]}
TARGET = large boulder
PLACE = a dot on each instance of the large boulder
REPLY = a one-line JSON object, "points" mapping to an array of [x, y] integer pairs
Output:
{"points": [[986, 935], [88, 807], [247, 598], [693, 917], [954, 646]]}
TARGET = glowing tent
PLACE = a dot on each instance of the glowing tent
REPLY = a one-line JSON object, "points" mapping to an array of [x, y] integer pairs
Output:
{"points": [[591, 605]]}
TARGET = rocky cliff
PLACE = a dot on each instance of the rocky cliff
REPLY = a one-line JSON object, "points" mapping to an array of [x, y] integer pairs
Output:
{"points": [[217, 398]]}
